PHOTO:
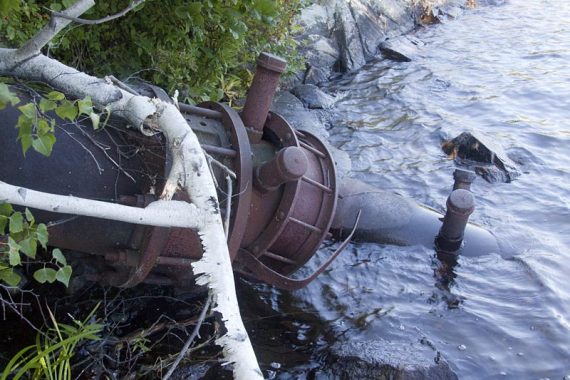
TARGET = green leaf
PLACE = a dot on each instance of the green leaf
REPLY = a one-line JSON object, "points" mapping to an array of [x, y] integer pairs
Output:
{"points": [[16, 223], [55, 95], [44, 144], [95, 119], [42, 235], [26, 142], [45, 275], [67, 110], [28, 110], [64, 274], [85, 106], [9, 276], [3, 223], [13, 252], [43, 127], [29, 247], [25, 126], [6, 96], [30, 217], [58, 256], [47, 105], [6, 209]]}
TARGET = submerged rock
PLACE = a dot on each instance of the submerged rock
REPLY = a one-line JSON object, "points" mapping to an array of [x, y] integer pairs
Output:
{"points": [[313, 97], [381, 359], [401, 49], [485, 157]]}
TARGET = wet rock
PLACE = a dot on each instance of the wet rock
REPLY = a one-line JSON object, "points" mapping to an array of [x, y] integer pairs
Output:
{"points": [[313, 97], [348, 37], [401, 49], [381, 359], [485, 157]]}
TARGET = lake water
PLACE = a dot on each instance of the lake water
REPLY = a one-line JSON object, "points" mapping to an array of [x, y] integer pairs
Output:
{"points": [[501, 71]]}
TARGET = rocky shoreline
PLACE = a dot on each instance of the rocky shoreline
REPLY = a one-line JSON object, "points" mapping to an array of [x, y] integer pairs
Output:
{"points": [[339, 37]]}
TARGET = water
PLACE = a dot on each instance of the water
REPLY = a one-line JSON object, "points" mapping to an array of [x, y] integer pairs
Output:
{"points": [[502, 71]]}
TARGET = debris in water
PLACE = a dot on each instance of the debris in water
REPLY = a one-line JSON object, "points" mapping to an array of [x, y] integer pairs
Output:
{"points": [[482, 155], [462, 347]]}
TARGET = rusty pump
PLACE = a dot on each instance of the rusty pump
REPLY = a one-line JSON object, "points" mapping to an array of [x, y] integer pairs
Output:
{"points": [[278, 185]]}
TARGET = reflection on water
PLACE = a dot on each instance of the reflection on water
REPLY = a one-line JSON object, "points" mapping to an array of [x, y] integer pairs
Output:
{"points": [[504, 72]]}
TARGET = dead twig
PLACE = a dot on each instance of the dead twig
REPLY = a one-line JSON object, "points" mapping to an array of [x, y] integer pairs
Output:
{"points": [[190, 339], [228, 206]]}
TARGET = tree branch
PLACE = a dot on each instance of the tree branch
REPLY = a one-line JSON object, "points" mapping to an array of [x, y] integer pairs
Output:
{"points": [[189, 341], [48, 32], [82, 21], [159, 213]]}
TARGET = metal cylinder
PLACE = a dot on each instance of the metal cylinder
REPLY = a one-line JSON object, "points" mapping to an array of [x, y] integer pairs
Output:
{"points": [[288, 165], [463, 179], [260, 94], [460, 206]]}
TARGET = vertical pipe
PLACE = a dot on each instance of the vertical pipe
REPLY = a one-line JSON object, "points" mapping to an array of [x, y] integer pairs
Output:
{"points": [[463, 179], [460, 206], [260, 95]]}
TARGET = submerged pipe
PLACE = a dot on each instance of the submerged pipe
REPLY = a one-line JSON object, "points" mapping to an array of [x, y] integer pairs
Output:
{"points": [[389, 218], [460, 206]]}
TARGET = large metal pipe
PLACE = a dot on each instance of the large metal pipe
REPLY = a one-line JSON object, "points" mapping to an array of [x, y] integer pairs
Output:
{"points": [[392, 219], [260, 94]]}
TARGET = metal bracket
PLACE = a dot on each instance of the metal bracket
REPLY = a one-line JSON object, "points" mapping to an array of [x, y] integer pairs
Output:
{"points": [[266, 274]]}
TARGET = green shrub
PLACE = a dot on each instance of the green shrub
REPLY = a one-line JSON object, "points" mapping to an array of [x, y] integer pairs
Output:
{"points": [[201, 48]]}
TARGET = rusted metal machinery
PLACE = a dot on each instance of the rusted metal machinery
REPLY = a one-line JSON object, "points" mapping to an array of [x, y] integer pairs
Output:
{"points": [[278, 184], [284, 191]]}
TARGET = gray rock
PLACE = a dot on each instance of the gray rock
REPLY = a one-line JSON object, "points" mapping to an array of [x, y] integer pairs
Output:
{"points": [[293, 110], [484, 156], [384, 360], [400, 49], [313, 97], [321, 51], [314, 19], [316, 75], [348, 37], [371, 27]]}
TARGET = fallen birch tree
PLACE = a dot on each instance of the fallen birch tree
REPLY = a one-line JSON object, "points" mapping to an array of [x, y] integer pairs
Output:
{"points": [[189, 172]]}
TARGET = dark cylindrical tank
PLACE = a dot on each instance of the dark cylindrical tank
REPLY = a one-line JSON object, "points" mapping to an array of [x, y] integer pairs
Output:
{"points": [[84, 164]]}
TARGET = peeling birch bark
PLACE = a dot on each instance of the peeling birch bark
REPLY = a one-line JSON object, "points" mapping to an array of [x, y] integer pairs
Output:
{"points": [[189, 172]]}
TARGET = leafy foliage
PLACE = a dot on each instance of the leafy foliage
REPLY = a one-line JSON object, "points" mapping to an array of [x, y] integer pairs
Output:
{"points": [[36, 124], [50, 357], [197, 47], [23, 238]]}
